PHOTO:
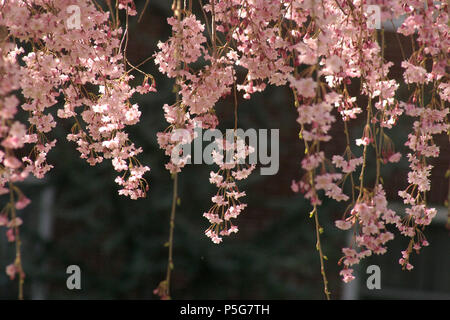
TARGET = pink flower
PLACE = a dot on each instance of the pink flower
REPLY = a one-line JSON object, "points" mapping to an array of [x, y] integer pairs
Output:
{"points": [[334, 64], [343, 225], [313, 161], [347, 275], [233, 229], [10, 235], [12, 162], [414, 74], [347, 166], [363, 141], [11, 271], [305, 87], [15, 223], [395, 157], [294, 186]]}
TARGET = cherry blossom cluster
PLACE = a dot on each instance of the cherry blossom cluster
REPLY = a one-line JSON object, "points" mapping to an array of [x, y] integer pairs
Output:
{"points": [[319, 49], [368, 218], [199, 89], [430, 23], [253, 27], [47, 62], [91, 78], [13, 136], [420, 142], [181, 131], [230, 156], [346, 59]]}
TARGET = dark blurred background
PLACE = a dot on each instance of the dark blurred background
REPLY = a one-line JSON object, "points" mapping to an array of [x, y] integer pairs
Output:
{"points": [[77, 217]]}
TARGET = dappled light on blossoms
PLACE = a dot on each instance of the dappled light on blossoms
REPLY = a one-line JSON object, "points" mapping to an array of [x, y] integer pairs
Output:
{"points": [[319, 50], [83, 66]]}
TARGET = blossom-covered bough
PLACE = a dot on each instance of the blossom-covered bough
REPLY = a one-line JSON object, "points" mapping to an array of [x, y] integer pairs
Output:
{"points": [[316, 48], [43, 59]]}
